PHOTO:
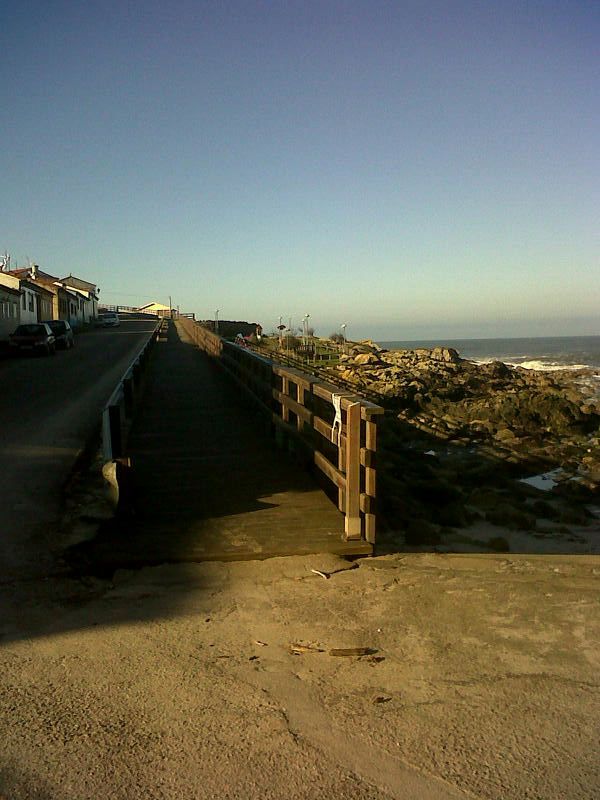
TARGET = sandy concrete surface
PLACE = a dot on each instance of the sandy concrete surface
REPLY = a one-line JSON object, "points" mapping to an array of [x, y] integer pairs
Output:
{"points": [[178, 681]]}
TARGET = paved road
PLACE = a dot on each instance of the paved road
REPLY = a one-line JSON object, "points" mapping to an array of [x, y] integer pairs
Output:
{"points": [[49, 407]]}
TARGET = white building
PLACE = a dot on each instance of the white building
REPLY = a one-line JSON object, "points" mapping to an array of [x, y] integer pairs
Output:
{"points": [[155, 308], [88, 309], [10, 304]]}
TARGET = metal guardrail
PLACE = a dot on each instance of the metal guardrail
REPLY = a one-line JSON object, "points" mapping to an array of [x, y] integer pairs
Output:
{"points": [[336, 427], [120, 407]]}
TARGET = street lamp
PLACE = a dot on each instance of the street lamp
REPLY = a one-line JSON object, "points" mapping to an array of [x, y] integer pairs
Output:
{"points": [[343, 326], [305, 328], [217, 321]]}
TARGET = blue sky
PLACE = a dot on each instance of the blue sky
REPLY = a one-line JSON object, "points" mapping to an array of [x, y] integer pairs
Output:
{"points": [[415, 169]]}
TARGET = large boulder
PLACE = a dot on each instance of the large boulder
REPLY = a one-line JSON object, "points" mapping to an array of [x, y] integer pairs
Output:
{"points": [[366, 358], [447, 354]]}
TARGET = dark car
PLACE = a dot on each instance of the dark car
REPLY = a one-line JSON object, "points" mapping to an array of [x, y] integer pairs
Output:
{"points": [[34, 336], [63, 333]]}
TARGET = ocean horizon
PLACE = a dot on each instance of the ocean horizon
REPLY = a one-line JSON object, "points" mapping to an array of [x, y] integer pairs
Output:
{"points": [[541, 352]]}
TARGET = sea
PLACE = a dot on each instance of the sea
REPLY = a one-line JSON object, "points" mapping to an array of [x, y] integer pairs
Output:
{"points": [[547, 353]]}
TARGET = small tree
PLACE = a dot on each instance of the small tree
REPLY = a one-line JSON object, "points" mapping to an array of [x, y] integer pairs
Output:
{"points": [[336, 338]]}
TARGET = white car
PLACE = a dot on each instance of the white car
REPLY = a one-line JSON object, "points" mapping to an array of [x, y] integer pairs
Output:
{"points": [[109, 319]]}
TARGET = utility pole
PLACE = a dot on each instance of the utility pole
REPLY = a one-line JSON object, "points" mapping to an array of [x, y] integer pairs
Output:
{"points": [[217, 321]]}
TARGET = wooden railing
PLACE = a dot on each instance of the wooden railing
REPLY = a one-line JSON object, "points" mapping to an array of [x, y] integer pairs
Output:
{"points": [[336, 429]]}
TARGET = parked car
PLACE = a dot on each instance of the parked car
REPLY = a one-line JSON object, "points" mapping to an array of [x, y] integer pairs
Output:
{"points": [[34, 336], [63, 333], [109, 319]]}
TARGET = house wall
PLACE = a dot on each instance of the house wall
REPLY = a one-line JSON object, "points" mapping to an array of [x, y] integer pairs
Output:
{"points": [[89, 310], [44, 307], [74, 305], [9, 313], [29, 306]]}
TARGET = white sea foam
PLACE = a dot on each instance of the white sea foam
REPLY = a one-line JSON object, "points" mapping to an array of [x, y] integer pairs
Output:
{"points": [[585, 376], [547, 366], [533, 364]]}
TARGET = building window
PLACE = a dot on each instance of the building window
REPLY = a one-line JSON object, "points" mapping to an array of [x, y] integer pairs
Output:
{"points": [[24, 302], [31, 308]]}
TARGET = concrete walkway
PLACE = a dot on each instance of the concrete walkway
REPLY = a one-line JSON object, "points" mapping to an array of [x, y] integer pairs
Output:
{"points": [[207, 481]]}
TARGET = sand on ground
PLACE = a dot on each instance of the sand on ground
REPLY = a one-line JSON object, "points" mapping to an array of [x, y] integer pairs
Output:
{"points": [[181, 681]]}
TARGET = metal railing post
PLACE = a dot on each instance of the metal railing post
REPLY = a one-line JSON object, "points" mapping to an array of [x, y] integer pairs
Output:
{"points": [[112, 438]]}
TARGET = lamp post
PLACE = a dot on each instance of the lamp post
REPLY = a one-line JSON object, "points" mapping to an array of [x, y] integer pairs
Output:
{"points": [[217, 321], [305, 329], [343, 327]]}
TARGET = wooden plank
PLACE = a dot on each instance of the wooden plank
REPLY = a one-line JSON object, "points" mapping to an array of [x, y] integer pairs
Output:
{"points": [[324, 428], [371, 410], [302, 402], [326, 391], [295, 375], [341, 448], [367, 503], [353, 521], [369, 464], [292, 405], [367, 458], [327, 468], [371, 436], [302, 546], [371, 482], [370, 528]]}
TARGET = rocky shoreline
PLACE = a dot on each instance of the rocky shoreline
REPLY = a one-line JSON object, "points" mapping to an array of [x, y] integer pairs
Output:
{"points": [[458, 437]]}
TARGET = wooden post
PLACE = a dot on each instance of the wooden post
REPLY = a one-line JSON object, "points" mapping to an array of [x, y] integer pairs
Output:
{"points": [[342, 468], [285, 388], [352, 521], [370, 478], [299, 420]]}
